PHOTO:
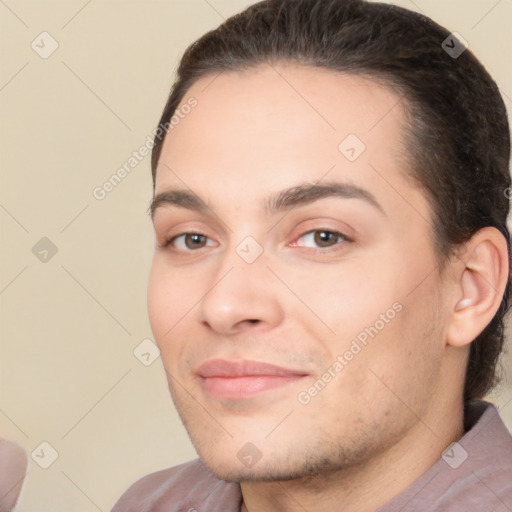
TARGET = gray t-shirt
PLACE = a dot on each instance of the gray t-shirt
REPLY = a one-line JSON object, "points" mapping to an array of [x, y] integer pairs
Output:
{"points": [[473, 475]]}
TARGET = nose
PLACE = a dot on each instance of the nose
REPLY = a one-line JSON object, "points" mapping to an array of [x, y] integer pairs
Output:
{"points": [[241, 296]]}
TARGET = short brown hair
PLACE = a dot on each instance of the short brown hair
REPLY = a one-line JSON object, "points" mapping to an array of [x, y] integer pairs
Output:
{"points": [[459, 142]]}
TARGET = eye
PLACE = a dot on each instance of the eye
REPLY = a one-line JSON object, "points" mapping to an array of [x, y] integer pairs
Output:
{"points": [[321, 238], [188, 241]]}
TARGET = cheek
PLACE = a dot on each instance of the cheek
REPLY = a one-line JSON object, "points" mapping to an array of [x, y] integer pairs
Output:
{"points": [[168, 303], [345, 299], [404, 360], [374, 307], [157, 299]]}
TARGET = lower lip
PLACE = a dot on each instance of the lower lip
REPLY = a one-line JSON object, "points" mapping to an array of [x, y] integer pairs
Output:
{"points": [[244, 387]]}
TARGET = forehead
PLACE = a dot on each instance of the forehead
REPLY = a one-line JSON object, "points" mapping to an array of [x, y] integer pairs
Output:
{"points": [[275, 125], [274, 107]]}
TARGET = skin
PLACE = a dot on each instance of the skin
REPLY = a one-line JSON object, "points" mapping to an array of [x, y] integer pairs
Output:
{"points": [[387, 416]]}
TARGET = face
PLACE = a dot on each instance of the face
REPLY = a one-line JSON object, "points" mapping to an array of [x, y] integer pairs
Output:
{"points": [[293, 293]]}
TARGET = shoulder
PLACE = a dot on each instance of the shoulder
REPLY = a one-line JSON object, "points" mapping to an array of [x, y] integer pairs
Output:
{"points": [[13, 466], [473, 474], [478, 468], [187, 487], [489, 452]]}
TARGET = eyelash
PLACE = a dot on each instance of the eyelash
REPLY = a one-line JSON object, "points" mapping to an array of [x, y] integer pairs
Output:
{"points": [[338, 234]]}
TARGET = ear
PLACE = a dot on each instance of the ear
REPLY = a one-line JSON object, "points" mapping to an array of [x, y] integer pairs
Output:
{"points": [[482, 275]]}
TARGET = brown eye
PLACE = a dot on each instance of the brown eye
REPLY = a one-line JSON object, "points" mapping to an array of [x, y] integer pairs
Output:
{"points": [[322, 238], [194, 240], [325, 238], [188, 241]]}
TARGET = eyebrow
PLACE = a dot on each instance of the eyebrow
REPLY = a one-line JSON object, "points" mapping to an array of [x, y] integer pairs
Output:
{"points": [[282, 201]]}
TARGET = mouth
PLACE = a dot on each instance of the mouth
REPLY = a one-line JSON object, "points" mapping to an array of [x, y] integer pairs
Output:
{"points": [[241, 379]]}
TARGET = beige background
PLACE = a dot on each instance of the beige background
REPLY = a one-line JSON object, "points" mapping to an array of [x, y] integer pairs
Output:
{"points": [[68, 375]]}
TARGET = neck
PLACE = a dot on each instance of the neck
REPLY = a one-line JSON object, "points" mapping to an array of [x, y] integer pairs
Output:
{"points": [[370, 484]]}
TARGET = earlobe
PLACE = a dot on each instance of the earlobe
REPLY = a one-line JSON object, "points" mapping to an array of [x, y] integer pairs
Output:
{"points": [[483, 275]]}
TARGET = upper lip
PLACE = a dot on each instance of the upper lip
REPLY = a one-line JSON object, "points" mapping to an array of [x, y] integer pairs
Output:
{"points": [[243, 368]]}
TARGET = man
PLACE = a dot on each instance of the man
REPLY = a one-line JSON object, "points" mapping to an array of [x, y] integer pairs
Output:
{"points": [[331, 270]]}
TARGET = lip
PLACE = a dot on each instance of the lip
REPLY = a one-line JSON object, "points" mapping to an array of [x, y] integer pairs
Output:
{"points": [[243, 378]]}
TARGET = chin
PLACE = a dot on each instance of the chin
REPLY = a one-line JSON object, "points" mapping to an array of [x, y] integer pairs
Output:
{"points": [[272, 471], [227, 463]]}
